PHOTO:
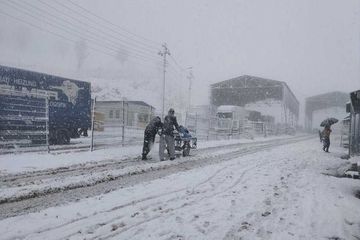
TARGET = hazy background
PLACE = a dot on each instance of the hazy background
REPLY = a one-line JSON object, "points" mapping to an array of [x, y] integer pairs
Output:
{"points": [[313, 46]]}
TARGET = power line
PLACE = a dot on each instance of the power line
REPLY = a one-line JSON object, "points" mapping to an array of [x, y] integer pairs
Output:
{"points": [[174, 78], [97, 29], [175, 62], [112, 49], [102, 45], [145, 54], [71, 39], [105, 27], [174, 75], [171, 78], [175, 71], [157, 44]]}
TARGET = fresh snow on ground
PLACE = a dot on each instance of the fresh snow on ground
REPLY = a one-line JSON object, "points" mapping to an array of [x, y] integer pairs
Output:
{"points": [[16, 163], [285, 192]]}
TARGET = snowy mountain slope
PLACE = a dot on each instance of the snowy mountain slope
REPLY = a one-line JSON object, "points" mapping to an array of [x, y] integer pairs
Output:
{"points": [[147, 90]]}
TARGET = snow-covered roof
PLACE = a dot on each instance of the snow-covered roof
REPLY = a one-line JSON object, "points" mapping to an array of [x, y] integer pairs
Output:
{"points": [[142, 103], [250, 89], [226, 108]]}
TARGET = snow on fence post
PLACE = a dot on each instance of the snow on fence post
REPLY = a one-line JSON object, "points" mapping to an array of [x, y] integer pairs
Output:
{"points": [[47, 122], [208, 129], [264, 129], [209, 124], [123, 124], [186, 119], [196, 123], [92, 126]]}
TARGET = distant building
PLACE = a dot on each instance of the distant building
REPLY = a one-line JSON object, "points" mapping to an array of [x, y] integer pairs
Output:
{"points": [[135, 114], [205, 111], [320, 107], [270, 97]]}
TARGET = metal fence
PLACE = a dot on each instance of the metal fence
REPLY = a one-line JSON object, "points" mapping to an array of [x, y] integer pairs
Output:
{"points": [[214, 128], [117, 126], [24, 125]]}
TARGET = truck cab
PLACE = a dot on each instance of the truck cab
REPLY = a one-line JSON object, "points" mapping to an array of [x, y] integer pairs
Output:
{"points": [[230, 118], [231, 112]]}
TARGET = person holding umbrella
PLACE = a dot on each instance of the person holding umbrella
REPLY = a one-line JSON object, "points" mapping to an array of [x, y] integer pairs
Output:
{"points": [[326, 135], [326, 132]]}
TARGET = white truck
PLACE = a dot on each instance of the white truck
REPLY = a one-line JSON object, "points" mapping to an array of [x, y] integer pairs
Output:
{"points": [[230, 119], [231, 112]]}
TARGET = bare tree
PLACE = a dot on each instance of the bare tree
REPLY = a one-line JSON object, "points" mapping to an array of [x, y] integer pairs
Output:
{"points": [[122, 56], [81, 51], [23, 37]]}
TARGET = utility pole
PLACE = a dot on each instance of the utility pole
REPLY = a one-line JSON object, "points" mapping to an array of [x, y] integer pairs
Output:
{"points": [[164, 53], [181, 100], [190, 77]]}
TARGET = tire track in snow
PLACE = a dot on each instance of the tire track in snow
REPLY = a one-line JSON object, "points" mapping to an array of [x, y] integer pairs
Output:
{"points": [[131, 203], [110, 164], [102, 179], [48, 189], [72, 195], [170, 211], [258, 163], [187, 196]]}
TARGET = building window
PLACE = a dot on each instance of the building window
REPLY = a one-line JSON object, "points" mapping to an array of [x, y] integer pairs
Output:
{"points": [[111, 114], [117, 114]]}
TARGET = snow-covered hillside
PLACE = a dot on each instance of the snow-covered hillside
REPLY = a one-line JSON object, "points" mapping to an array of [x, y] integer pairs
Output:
{"points": [[144, 89]]}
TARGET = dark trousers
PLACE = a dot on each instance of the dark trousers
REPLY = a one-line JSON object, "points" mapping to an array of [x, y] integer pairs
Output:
{"points": [[149, 140], [83, 130], [326, 144], [169, 142]]}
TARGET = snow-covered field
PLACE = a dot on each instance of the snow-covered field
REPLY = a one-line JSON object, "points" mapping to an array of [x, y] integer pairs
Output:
{"points": [[269, 189]]}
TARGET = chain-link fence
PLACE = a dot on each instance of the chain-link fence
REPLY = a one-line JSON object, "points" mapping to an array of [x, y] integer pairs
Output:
{"points": [[24, 125], [119, 123]]}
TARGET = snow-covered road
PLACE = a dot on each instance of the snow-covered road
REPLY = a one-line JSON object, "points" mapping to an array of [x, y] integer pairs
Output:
{"points": [[283, 192], [22, 192]]}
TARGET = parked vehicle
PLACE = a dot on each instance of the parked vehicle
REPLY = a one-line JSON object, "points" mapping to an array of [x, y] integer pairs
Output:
{"points": [[231, 112], [230, 119], [23, 106], [253, 115]]}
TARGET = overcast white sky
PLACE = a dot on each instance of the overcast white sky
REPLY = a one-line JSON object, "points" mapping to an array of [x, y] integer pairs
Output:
{"points": [[313, 46]]}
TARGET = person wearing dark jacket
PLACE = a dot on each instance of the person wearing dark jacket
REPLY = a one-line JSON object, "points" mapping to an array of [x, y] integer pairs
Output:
{"points": [[149, 135], [167, 136], [326, 134]]}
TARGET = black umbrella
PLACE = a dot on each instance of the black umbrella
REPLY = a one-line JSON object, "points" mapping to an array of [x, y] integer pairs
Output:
{"points": [[328, 121]]}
